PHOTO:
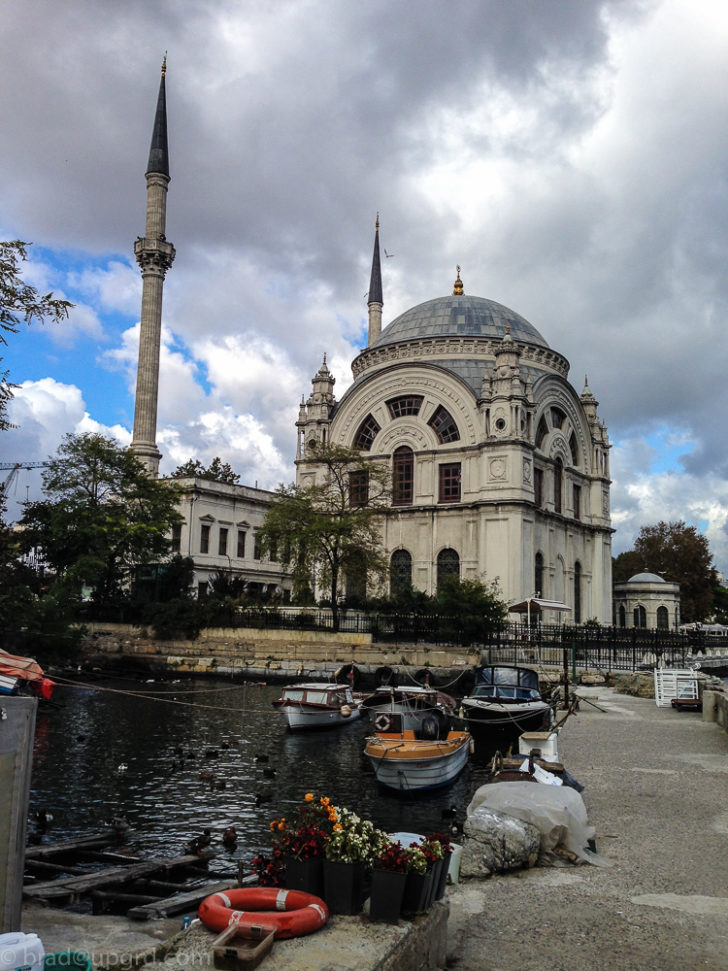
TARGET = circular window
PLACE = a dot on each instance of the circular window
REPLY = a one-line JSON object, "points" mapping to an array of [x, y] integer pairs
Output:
{"points": [[500, 424]]}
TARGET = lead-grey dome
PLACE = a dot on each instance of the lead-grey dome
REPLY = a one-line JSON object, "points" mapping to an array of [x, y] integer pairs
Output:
{"points": [[646, 578], [459, 316]]}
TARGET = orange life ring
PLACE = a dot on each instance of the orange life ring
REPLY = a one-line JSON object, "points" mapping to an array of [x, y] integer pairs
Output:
{"points": [[290, 913], [382, 722]]}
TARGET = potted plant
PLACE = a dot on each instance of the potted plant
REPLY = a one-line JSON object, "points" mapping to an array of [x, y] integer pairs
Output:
{"points": [[444, 840], [419, 881], [349, 852], [389, 876], [432, 848], [302, 841]]}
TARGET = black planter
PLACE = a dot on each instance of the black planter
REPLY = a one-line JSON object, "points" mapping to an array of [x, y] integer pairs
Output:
{"points": [[442, 882], [385, 901], [343, 887], [416, 892], [306, 875]]}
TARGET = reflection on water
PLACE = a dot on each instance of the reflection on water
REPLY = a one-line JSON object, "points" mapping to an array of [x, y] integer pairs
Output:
{"points": [[106, 753]]}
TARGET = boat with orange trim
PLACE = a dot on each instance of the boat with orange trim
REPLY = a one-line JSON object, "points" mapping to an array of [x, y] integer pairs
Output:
{"points": [[406, 763]]}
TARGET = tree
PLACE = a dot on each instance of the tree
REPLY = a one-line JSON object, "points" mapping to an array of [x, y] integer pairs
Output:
{"points": [[330, 528], [679, 554], [20, 303], [217, 471], [104, 517]]}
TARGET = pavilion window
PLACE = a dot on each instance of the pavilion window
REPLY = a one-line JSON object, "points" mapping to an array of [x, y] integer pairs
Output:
{"points": [[222, 542], [448, 565], [400, 572], [558, 485], [176, 538], [403, 475], [204, 538], [450, 482], [241, 544], [538, 487], [577, 502]]}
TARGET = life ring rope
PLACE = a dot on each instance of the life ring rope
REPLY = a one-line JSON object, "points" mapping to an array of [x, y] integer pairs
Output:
{"points": [[290, 913], [382, 722]]}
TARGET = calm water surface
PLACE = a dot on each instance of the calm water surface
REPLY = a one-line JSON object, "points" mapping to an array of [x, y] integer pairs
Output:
{"points": [[109, 752]]}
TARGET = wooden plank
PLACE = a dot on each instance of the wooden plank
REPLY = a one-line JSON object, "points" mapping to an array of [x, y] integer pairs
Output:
{"points": [[182, 901], [76, 886], [44, 850], [45, 867]]}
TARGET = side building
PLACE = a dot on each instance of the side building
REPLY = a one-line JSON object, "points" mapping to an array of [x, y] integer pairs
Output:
{"points": [[219, 535], [500, 468]]}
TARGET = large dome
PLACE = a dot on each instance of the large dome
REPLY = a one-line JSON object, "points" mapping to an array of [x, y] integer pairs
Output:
{"points": [[459, 316]]}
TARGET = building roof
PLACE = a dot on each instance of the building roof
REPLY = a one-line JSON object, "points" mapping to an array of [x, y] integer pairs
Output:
{"points": [[646, 578], [459, 316]]}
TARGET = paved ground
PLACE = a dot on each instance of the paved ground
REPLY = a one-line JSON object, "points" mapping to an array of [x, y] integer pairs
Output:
{"points": [[657, 792]]}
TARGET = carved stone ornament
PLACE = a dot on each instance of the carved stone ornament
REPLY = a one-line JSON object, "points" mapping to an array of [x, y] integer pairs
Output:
{"points": [[498, 468], [526, 470]]}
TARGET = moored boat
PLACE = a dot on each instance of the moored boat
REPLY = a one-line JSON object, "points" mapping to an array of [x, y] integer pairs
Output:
{"points": [[406, 763], [410, 708], [18, 673], [318, 705], [506, 700]]}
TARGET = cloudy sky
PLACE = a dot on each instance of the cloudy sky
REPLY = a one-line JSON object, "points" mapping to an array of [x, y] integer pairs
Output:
{"points": [[570, 155]]}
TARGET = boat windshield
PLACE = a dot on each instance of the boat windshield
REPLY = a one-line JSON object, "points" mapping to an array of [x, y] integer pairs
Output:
{"points": [[317, 697], [505, 691], [292, 694]]}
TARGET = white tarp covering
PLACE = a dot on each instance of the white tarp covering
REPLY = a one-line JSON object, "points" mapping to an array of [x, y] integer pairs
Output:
{"points": [[558, 812]]}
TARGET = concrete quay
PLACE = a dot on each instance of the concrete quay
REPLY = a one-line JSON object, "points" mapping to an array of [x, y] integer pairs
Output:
{"points": [[656, 788]]}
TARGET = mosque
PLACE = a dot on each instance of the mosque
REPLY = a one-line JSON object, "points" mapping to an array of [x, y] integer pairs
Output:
{"points": [[500, 468]]}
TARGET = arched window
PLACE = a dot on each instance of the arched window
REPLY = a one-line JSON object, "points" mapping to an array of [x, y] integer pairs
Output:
{"points": [[448, 565], [406, 404], [558, 485], [538, 575], [403, 476], [558, 418], [622, 616], [663, 618], [368, 431], [443, 424], [640, 616], [574, 449], [541, 432], [400, 572], [356, 580], [577, 592]]}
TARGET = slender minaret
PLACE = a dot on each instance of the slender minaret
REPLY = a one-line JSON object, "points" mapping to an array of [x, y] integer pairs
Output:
{"points": [[155, 256], [375, 292]]}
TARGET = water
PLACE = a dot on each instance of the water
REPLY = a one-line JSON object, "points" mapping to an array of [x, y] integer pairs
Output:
{"points": [[115, 749]]}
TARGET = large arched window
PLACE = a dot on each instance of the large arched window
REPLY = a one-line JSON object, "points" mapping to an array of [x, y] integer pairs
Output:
{"points": [[577, 592], [448, 565], [538, 575], [640, 616], [444, 426], [403, 476], [406, 404], [400, 572], [368, 431], [663, 618]]}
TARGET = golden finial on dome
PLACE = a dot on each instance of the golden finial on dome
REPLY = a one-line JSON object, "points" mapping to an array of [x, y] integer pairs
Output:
{"points": [[458, 291], [164, 64]]}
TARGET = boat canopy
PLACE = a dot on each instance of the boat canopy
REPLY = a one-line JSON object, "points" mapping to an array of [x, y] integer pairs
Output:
{"points": [[502, 675]]}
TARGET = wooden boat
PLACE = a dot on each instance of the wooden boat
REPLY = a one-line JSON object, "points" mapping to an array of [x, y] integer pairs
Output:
{"points": [[406, 763], [417, 709], [19, 673], [318, 705], [506, 699]]}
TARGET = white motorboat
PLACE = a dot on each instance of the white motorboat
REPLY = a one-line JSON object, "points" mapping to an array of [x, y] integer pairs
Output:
{"points": [[406, 763], [318, 705]]}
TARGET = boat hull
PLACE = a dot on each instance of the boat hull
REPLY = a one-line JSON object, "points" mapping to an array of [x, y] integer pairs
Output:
{"points": [[509, 719], [302, 718], [413, 765]]}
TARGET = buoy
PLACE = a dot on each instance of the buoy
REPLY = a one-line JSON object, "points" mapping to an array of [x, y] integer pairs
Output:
{"points": [[290, 913], [382, 722], [345, 711]]}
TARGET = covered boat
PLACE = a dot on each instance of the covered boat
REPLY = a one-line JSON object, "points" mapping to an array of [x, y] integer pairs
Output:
{"points": [[417, 709], [318, 705], [406, 763], [19, 673], [506, 699]]}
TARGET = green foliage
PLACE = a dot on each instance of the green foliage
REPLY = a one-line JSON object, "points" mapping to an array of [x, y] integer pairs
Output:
{"points": [[679, 554], [102, 520], [180, 618], [217, 471], [20, 303], [720, 604], [323, 530]]}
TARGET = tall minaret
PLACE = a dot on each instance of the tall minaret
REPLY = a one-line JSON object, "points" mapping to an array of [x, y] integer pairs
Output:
{"points": [[375, 292], [155, 256]]}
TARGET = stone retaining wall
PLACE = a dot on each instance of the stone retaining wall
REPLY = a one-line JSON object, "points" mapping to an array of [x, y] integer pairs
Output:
{"points": [[228, 651], [715, 708]]}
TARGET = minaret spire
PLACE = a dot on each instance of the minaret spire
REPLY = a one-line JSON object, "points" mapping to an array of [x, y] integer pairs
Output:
{"points": [[155, 256], [376, 303]]}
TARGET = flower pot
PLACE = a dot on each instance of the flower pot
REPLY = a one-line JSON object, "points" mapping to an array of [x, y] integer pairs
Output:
{"points": [[442, 883], [343, 886], [435, 874], [306, 875], [385, 901], [416, 892]]}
